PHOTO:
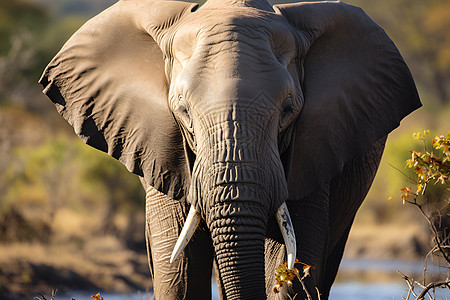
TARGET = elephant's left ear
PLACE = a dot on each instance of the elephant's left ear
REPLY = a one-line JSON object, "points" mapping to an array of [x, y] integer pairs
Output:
{"points": [[109, 83], [357, 88]]}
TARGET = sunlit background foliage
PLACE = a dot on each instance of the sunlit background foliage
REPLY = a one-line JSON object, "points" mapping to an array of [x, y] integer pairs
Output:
{"points": [[54, 189]]}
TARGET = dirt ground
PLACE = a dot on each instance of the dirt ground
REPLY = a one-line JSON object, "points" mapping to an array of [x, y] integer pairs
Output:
{"points": [[103, 265], [400, 241]]}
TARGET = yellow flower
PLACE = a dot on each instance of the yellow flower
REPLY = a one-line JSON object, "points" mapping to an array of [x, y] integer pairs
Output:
{"points": [[97, 297]]}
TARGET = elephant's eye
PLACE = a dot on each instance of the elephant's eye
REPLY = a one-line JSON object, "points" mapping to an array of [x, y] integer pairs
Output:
{"points": [[183, 112], [287, 112]]}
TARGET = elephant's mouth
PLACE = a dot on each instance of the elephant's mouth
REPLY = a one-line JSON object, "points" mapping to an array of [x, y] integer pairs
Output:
{"points": [[283, 219]]}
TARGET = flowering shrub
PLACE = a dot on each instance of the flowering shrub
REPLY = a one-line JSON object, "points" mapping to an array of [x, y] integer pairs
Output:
{"points": [[428, 166]]}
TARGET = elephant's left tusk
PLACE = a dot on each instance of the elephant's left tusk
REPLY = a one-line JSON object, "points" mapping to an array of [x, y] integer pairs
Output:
{"points": [[287, 230], [192, 221]]}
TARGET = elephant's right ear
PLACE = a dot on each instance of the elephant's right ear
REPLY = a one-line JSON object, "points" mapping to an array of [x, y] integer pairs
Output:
{"points": [[356, 87], [109, 83]]}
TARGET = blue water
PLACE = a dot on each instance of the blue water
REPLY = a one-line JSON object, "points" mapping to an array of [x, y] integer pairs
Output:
{"points": [[376, 291]]}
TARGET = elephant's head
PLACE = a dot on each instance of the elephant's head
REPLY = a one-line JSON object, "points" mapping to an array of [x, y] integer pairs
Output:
{"points": [[234, 107]]}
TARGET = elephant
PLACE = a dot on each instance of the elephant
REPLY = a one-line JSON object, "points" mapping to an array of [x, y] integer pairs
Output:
{"points": [[256, 131]]}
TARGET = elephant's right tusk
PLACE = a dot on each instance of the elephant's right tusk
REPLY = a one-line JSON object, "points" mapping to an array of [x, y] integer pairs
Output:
{"points": [[287, 230], [192, 221]]}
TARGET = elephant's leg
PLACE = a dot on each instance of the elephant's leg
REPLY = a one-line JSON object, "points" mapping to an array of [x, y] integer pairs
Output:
{"points": [[347, 192], [310, 219], [334, 258], [189, 276], [311, 223]]}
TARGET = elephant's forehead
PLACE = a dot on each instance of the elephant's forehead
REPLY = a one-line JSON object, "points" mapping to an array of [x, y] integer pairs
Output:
{"points": [[236, 28]]}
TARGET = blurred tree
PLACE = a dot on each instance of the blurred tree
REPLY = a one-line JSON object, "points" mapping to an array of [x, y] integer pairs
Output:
{"points": [[17, 128], [21, 26], [122, 189], [437, 25], [16, 16], [59, 171], [29, 37], [50, 170], [39, 180]]}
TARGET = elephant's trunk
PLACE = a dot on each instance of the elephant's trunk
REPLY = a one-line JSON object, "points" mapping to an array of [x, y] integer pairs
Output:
{"points": [[238, 183], [237, 231], [237, 224], [236, 208]]}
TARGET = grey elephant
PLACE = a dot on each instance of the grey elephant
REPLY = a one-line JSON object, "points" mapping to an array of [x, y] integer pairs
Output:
{"points": [[256, 131]]}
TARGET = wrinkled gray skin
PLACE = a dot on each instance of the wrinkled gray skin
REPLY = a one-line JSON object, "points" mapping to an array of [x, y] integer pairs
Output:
{"points": [[235, 108]]}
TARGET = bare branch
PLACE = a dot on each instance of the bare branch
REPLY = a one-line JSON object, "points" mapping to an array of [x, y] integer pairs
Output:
{"points": [[433, 229], [432, 285], [410, 283], [318, 293]]}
